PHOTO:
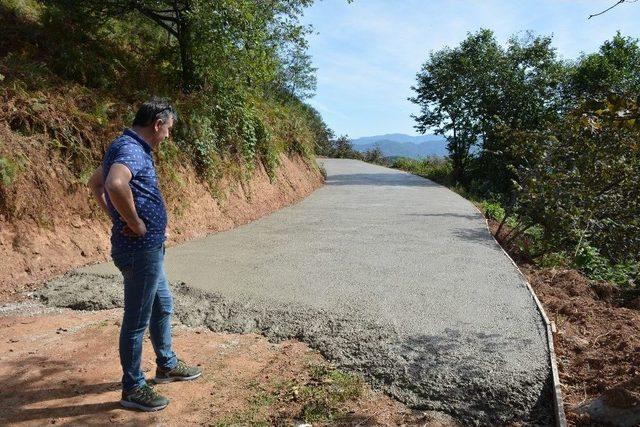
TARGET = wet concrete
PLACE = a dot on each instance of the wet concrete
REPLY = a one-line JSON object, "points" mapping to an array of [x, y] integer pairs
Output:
{"points": [[385, 273]]}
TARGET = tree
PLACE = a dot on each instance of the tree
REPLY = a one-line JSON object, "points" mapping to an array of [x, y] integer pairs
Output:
{"points": [[444, 105], [472, 92], [296, 74], [524, 93], [614, 68], [578, 180], [217, 42], [342, 149], [374, 155]]}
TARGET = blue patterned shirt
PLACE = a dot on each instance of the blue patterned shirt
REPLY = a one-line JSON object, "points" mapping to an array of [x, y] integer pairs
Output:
{"points": [[130, 150]]}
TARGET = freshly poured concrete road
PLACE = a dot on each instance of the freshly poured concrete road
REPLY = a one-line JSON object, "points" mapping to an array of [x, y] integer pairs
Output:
{"points": [[427, 305]]}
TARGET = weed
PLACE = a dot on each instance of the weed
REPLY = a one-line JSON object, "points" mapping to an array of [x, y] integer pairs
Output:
{"points": [[9, 169], [597, 267], [326, 391], [554, 260], [256, 413], [492, 210], [323, 171]]}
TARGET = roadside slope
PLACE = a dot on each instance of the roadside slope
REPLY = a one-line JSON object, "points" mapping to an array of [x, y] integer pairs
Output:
{"points": [[67, 230]]}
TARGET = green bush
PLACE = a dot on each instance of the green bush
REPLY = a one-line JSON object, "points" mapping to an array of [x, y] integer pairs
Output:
{"points": [[589, 260], [434, 168], [9, 170], [493, 210]]}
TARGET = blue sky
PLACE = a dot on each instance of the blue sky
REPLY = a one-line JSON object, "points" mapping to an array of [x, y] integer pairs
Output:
{"points": [[368, 52]]}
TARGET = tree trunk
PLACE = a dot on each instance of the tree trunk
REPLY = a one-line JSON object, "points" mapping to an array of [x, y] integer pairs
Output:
{"points": [[190, 81], [456, 156]]}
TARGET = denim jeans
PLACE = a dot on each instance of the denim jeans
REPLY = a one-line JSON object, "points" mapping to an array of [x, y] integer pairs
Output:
{"points": [[147, 303]]}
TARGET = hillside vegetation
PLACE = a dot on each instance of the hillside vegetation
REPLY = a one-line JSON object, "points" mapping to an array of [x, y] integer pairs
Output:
{"points": [[72, 75], [550, 147]]}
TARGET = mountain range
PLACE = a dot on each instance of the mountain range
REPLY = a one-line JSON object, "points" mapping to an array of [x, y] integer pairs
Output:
{"points": [[401, 145]]}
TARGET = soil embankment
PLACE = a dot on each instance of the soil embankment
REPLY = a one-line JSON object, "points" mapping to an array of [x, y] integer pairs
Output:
{"points": [[69, 230], [597, 346]]}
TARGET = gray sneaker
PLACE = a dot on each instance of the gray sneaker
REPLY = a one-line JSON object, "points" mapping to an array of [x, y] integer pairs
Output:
{"points": [[144, 398], [181, 372]]}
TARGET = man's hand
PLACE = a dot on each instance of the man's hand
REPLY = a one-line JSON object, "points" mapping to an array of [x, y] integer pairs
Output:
{"points": [[135, 228]]}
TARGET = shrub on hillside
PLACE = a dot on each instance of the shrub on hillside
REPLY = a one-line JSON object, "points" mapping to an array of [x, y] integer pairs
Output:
{"points": [[73, 80], [434, 168]]}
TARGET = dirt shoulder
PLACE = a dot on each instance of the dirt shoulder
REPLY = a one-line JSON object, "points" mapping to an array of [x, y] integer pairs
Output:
{"points": [[597, 346], [60, 366]]}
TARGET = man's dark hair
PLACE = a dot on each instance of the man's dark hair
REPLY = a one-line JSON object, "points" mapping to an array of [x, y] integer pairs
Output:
{"points": [[152, 110]]}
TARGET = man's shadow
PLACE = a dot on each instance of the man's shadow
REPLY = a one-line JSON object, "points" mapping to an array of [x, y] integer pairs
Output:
{"points": [[19, 391]]}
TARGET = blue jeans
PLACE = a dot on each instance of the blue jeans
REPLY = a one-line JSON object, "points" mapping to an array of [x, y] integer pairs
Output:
{"points": [[147, 303]]}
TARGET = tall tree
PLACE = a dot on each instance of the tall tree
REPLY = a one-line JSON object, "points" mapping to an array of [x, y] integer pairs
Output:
{"points": [[216, 40], [444, 105], [614, 68], [470, 93]]}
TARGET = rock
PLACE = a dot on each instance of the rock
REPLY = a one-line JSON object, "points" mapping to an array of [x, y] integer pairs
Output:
{"points": [[601, 412], [580, 344]]}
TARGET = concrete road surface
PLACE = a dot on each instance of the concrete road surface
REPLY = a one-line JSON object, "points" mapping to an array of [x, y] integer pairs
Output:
{"points": [[387, 274]]}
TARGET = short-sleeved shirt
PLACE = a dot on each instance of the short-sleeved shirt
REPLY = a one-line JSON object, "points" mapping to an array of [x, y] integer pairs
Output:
{"points": [[130, 150]]}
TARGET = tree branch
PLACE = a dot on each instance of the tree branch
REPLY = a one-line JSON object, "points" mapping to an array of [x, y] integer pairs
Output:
{"points": [[619, 2], [159, 19]]}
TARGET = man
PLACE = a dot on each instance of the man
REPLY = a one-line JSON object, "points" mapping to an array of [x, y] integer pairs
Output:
{"points": [[126, 187]]}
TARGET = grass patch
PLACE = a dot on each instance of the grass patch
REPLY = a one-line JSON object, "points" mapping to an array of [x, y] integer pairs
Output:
{"points": [[326, 392], [9, 169], [436, 169], [320, 396]]}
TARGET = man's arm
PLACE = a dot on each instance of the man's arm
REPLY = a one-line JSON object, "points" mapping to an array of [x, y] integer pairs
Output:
{"points": [[96, 184], [117, 185]]}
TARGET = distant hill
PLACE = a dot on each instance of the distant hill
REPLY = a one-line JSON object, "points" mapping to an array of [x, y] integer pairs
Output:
{"points": [[400, 145]]}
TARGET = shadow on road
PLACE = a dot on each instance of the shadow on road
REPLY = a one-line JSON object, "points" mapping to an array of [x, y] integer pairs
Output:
{"points": [[381, 179], [475, 235], [447, 215]]}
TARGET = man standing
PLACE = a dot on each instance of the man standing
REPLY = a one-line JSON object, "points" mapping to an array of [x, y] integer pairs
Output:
{"points": [[126, 187]]}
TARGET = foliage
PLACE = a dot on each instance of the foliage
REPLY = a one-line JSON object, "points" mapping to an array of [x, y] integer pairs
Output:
{"points": [[433, 168], [580, 181], [328, 388], [218, 44], [341, 148], [320, 398], [551, 147], [9, 170], [469, 92], [493, 210], [442, 96], [375, 156], [613, 69], [243, 102], [597, 267]]}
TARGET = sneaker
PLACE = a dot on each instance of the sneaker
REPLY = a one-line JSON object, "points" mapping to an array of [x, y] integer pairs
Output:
{"points": [[181, 372], [144, 398]]}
